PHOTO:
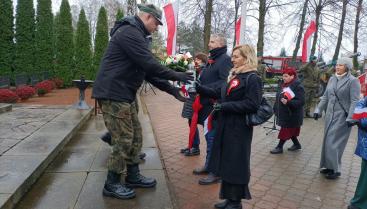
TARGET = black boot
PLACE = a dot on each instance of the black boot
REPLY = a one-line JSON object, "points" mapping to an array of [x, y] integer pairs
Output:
{"points": [[142, 155], [114, 188], [135, 179], [106, 137], [234, 204], [279, 148], [296, 145], [222, 205]]}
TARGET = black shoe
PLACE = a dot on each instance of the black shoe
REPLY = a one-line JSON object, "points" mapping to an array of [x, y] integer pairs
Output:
{"points": [[106, 137], [353, 207], [221, 205], [200, 171], [114, 188], [234, 205], [142, 155], [326, 171], [294, 148], [135, 179], [332, 175], [184, 150], [277, 150], [210, 179], [192, 152]]}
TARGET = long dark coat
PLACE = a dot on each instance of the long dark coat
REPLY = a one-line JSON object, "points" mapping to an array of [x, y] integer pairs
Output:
{"points": [[230, 158], [290, 115]]}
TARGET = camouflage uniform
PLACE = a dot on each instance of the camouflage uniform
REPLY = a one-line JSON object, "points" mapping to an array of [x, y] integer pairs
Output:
{"points": [[310, 83], [121, 120], [261, 71]]}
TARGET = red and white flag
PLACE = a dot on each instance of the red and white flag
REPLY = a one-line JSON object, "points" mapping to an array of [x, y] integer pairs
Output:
{"points": [[363, 81], [208, 124], [359, 113], [238, 31], [288, 93], [306, 48], [170, 13]]}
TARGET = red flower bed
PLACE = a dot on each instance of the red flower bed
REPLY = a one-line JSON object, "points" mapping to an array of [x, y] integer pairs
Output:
{"points": [[46, 85], [7, 96], [25, 92]]}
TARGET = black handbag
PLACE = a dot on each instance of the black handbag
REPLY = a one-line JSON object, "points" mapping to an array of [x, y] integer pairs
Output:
{"points": [[263, 114]]}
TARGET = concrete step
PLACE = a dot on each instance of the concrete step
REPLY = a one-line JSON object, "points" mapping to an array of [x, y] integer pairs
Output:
{"points": [[23, 164], [5, 107]]}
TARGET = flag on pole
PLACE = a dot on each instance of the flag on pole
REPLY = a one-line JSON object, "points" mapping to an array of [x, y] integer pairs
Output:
{"points": [[170, 13], [238, 30], [288, 93], [306, 48]]}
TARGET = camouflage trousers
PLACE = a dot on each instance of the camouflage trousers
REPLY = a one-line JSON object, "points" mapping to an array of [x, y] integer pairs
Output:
{"points": [[310, 94], [121, 120]]}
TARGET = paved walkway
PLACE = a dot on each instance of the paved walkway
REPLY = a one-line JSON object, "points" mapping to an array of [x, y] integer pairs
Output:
{"points": [[290, 180]]}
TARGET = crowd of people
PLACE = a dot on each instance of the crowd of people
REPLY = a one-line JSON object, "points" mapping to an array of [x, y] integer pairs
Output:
{"points": [[226, 89]]}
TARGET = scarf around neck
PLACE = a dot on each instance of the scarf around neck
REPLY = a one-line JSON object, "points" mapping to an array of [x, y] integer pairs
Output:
{"points": [[241, 69]]}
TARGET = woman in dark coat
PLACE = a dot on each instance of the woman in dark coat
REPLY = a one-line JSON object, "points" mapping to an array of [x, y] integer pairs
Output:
{"points": [[239, 96], [288, 108]]}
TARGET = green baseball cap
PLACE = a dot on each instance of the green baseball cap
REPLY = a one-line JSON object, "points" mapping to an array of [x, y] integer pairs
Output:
{"points": [[153, 10]]}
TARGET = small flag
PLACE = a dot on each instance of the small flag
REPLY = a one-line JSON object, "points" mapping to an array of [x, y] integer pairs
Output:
{"points": [[208, 124], [288, 93], [359, 113]]}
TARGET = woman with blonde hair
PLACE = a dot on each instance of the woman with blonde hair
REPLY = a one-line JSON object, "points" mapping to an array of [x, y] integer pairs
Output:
{"points": [[240, 95]]}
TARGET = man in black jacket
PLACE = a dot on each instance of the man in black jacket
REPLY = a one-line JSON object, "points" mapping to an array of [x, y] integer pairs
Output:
{"points": [[125, 64], [214, 75]]}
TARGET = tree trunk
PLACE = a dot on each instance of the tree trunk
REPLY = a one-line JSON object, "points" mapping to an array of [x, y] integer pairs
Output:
{"points": [[300, 33], [237, 5], [341, 28], [356, 28], [260, 40], [318, 14], [131, 7], [207, 23]]}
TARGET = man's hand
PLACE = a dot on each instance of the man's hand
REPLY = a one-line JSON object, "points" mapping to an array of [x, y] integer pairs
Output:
{"points": [[177, 94], [184, 76], [217, 107], [316, 116]]}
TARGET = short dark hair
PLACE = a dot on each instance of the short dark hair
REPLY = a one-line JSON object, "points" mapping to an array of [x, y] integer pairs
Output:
{"points": [[201, 56]]}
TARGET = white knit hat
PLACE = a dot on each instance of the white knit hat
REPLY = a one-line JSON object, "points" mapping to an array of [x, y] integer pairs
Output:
{"points": [[345, 61]]}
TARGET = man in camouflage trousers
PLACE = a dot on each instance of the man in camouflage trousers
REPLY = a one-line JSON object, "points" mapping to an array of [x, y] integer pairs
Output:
{"points": [[310, 82], [126, 63]]}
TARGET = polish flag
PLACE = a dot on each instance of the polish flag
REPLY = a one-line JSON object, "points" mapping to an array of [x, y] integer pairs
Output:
{"points": [[359, 113], [170, 13], [363, 81], [208, 124], [238, 30], [288, 93], [306, 48]]}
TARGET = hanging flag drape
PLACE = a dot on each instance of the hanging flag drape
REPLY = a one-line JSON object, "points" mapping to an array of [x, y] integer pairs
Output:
{"points": [[170, 14], [306, 48], [238, 30]]}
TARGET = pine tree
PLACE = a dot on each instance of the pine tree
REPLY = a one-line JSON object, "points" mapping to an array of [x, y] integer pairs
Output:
{"points": [[119, 14], [44, 36], [83, 48], [64, 44], [6, 36], [101, 39], [24, 36]]}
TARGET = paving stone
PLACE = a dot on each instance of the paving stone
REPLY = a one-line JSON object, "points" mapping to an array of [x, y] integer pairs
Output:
{"points": [[54, 190]]}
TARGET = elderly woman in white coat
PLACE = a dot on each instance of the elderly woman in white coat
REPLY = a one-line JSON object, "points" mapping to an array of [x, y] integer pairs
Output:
{"points": [[341, 95]]}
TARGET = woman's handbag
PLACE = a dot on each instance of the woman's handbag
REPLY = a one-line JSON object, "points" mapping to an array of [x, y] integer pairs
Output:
{"points": [[262, 115]]}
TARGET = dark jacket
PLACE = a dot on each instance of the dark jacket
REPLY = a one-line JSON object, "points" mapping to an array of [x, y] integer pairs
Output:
{"points": [[126, 62], [361, 149], [213, 76], [291, 114], [230, 157]]}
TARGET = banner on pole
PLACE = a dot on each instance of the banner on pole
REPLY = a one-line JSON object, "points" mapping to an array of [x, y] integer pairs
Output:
{"points": [[170, 13], [306, 48]]}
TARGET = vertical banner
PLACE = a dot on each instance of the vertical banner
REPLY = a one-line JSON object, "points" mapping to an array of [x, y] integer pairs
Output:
{"points": [[306, 48], [243, 22], [170, 13], [238, 31]]}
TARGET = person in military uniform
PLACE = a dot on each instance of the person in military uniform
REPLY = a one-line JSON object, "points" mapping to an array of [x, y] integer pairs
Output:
{"points": [[127, 62], [261, 69], [310, 75]]}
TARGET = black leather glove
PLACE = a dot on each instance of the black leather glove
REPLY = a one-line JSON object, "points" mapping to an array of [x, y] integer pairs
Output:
{"points": [[184, 76], [316, 116], [198, 86], [176, 93], [217, 107], [352, 123]]}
